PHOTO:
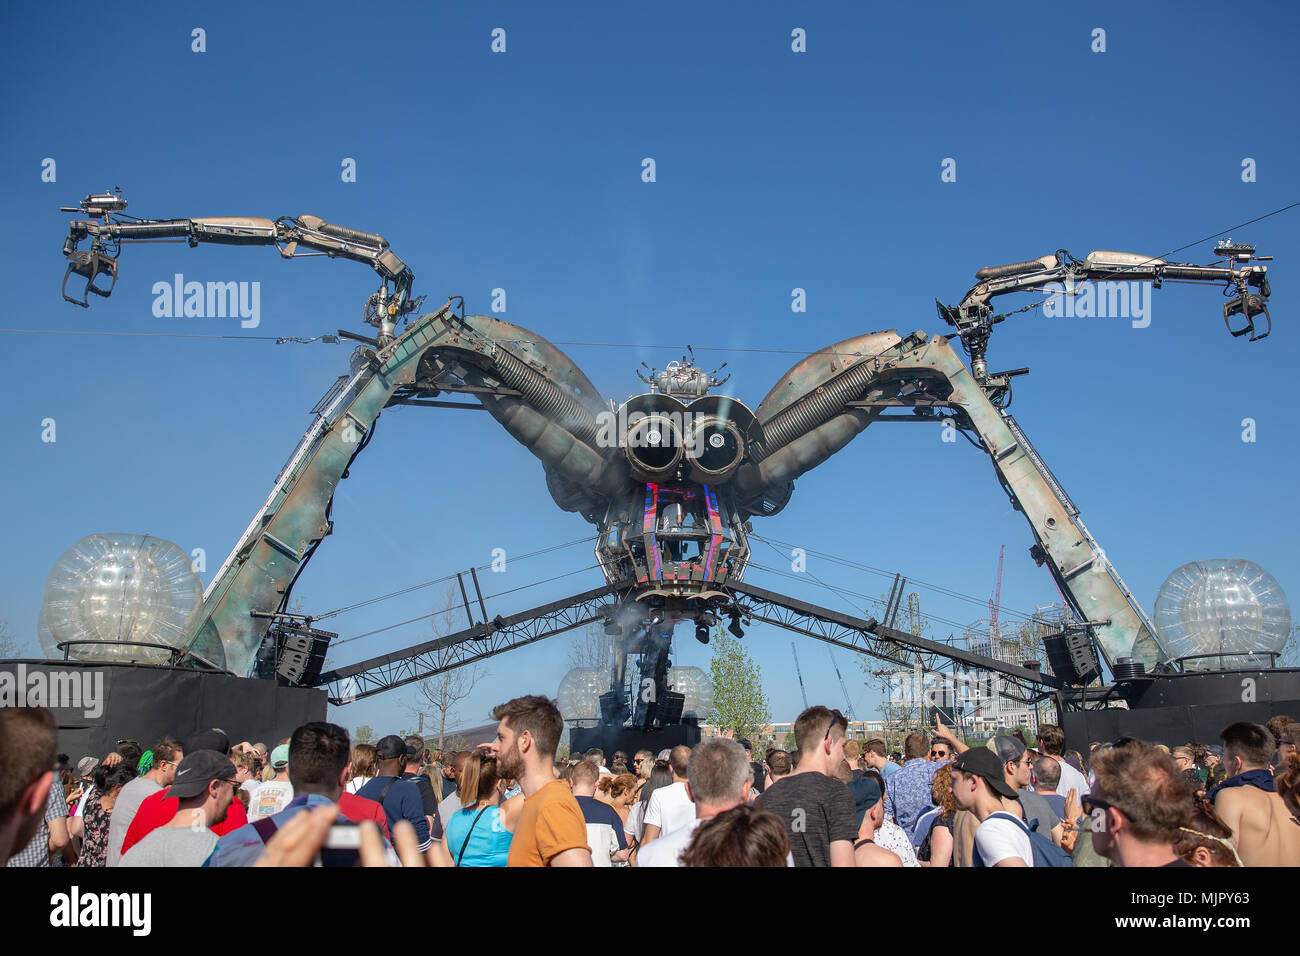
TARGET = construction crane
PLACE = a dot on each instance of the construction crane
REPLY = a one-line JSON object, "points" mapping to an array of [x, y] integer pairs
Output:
{"points": [[802, 689], [995, 602], [848, 704]]}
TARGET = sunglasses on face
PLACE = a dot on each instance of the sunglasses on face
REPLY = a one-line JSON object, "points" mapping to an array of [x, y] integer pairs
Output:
{"points": [[836, 717], [1091, 804]]}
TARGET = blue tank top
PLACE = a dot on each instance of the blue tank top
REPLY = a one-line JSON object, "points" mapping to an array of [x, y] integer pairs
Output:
{"points": [[489, 843]]}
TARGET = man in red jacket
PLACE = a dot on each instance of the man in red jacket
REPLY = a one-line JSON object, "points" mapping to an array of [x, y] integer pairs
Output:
{"points": [[159, 809]]}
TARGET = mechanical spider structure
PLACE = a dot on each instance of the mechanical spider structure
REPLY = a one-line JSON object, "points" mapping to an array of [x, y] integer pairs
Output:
{"points": [[673, 477]]}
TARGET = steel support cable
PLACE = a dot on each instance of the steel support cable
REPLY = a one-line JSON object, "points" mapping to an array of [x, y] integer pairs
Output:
{"points": [[486, 597], [851, 604], [928, 658], [858, 594], [948, 592], [444, 579]]}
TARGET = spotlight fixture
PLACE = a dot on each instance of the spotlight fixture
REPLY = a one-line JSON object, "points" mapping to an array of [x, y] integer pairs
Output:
{"points": [[702, 633], [734, 627], [656, 612]]}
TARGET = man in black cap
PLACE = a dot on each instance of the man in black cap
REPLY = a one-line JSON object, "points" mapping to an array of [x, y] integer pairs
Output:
{"points": [[161, 807], [979, 785], [205, 785], [399, 798], [1017, 771], [415, 753]]}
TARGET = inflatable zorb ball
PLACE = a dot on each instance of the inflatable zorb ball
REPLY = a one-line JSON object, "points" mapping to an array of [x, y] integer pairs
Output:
{"points": [[698, 688], [578, 697], [1232, 610], [109, 592]]}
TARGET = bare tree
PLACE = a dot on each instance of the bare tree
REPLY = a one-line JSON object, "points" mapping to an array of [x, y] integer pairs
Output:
{"points": [[592, 647], [437, 698], [10, 645], [901, 700], [1289, 656]]}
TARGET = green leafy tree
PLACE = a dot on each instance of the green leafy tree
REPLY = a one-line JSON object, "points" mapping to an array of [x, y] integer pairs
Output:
{"points": [[364, 734], [739, 704]]}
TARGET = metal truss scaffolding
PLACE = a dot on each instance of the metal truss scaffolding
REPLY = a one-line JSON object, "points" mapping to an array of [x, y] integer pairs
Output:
{"points": [[486, 639], [476, 643]]}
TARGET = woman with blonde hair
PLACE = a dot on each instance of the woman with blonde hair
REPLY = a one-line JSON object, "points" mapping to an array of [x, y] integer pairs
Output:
{"points": [[479, 834]]}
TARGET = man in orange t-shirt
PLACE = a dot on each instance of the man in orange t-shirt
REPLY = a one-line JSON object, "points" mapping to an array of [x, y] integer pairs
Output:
{"points": [[551, 830]]}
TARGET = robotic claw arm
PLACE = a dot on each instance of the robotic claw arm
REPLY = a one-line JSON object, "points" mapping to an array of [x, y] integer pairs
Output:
{"points": [[973, 317], [833, 395], [108, 227]]}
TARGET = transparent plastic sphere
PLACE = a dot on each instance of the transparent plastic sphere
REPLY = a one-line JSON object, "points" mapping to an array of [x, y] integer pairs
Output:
{"points": [[1229, 608], [579, 696], [698, 688], [46, 639], [112, 588]]}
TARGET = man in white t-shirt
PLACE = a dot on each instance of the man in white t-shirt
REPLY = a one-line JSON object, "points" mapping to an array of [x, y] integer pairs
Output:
{"points": [[979, 785], [718, 778], [670, 807], [274, 795], [598, 755]]}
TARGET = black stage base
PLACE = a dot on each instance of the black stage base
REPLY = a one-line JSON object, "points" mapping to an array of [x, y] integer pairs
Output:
{"points": [[1186, 708], [97, 705], [631, 739]]}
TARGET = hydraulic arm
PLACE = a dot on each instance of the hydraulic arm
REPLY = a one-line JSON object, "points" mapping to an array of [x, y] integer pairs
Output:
{"points": [[833, 395], [109, 227], [973, 317]]}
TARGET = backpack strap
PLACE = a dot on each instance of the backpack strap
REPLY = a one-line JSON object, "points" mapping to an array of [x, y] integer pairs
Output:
{"points": [[461, 854], [265, 828]]}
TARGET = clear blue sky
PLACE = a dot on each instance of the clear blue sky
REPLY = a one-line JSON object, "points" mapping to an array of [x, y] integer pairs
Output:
{"points": [[775, 170]]}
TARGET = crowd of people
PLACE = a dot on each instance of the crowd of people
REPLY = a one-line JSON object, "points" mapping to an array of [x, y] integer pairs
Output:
{"points": [[315, 798]]}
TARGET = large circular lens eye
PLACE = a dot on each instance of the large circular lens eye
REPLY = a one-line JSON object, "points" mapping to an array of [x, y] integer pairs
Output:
{"points": [[715, 448], [653, 447]]}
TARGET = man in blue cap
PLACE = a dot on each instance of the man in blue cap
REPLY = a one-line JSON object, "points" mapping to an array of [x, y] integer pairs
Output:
{"points": [[868, 800]]}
